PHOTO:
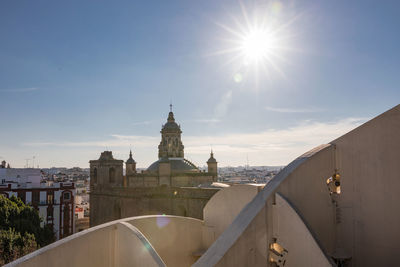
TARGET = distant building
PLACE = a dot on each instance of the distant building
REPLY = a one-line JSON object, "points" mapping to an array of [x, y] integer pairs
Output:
{"points": [[81, 224], [170, 185], [81, 210], [3, 164], [54, 201]]}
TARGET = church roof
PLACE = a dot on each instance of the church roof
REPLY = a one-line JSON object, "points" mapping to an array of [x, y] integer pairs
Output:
{"points": [[177, 165], [130, 160], [106, 155], [212, 159], [171, 125]]}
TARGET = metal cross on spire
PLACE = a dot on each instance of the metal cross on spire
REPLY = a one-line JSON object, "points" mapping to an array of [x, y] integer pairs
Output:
{"points": [[170, 106]]}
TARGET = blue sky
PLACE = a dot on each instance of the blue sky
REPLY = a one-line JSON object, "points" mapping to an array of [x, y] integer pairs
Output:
{"points": [[79, 77]]}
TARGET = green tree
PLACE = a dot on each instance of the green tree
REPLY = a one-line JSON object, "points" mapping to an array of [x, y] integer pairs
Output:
{"points": [[14, 245], [20, 231]]}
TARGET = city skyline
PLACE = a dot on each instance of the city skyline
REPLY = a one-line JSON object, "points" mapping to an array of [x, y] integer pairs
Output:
{"points": [[101, 75], [286, 144]]}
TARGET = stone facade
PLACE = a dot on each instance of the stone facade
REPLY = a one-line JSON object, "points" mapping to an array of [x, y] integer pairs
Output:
{"points": [[109, 204], [171, 185], [106, 171]]}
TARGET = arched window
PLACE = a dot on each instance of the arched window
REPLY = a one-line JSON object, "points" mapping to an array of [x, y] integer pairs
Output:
{"points": [[66, 196], [95, 176], [111, 175]]}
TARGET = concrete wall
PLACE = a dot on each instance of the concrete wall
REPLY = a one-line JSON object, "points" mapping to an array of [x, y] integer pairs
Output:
{"points": [[293, 238], [368, 160], [360, 225], [248, 249], [176, 239], [112, 244], [224, 206], [307, 190], [133, 249]]}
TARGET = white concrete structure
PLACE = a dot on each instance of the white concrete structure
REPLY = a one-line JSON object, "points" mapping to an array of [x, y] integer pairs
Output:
{"points": [[54, 201], [346, 194], [224, 206]]}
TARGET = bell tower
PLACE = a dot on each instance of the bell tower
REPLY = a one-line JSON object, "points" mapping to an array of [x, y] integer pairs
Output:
{"points": [[171, 144], [106, 171]]}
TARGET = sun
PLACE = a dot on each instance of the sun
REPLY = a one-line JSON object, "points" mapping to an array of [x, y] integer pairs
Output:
{"points": [[258, 45]]}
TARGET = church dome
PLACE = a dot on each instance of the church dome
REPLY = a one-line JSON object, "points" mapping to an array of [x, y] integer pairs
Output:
{"points": [[171, 125], [177, 165]]}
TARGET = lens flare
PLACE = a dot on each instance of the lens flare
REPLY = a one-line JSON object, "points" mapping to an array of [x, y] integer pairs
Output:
{"points": [[162, 221], [238, 78]]}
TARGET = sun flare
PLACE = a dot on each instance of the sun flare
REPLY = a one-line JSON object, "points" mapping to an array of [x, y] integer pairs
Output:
{"points": [[258, 45]]}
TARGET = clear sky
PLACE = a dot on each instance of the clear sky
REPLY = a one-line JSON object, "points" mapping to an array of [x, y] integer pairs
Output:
{"points": [[80, 77]]}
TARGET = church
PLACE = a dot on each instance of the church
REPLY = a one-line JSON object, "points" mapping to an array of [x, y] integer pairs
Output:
{"points": [[171, 185]]}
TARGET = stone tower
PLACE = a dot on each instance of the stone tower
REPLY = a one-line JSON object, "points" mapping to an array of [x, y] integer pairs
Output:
{"points": [[130, 165], [106, 171], [171, 145], [212, 165]]}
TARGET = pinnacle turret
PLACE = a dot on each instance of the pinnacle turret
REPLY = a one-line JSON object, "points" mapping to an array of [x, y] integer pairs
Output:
{"points": [[130, 160], [212, 165], [212, 159]]}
